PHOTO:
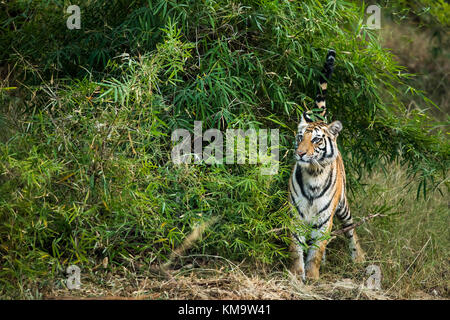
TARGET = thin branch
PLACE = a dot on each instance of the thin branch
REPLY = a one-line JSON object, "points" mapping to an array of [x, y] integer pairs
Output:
{"points": [[188, 242], [354, 225]]}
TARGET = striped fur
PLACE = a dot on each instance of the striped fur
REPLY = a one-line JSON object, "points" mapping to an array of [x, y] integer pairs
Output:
{"points": [[323, 81], [317, 191]]}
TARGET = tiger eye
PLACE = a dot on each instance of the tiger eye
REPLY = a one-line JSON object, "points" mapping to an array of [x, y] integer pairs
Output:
{"points": [[317, 140]]}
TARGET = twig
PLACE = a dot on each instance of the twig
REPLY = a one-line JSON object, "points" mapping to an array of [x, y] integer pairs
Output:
{"points": [[340, 231], [187, 243], [131, 143], [354, 225]]}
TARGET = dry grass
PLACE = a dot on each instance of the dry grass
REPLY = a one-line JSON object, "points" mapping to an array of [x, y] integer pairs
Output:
{"points": [[219, 284]]}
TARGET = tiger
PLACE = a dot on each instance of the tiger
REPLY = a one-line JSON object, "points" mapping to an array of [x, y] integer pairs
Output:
{"points": [[317, 188]]}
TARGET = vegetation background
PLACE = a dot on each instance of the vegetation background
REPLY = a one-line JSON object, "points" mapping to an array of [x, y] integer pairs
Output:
{"points": [[86, 118]]}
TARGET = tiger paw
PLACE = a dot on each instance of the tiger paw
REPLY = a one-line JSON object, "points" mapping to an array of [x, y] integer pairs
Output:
{"points": [[296, 270], [358, 256], [313, 273]]}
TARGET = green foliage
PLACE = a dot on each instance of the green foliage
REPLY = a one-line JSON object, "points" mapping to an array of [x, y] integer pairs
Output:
{"points": [[85, 153], [434, 12]]}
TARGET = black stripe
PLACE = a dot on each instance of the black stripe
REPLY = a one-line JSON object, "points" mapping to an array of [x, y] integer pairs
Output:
{"points": [[325, 154], [314, 172], [292, 182], [294, 189], [299, 180], [342, 212], [320, 98], [328, 184], [299, 241], [325, 148], [328, 204], [332, 149], [339, 208], [346, 214], [322, 210], [294, 203], [334, 183], [320, 225], [345, 225]]}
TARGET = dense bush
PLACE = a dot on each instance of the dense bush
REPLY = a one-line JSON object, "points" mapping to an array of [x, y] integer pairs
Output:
{"points": [[88, 114]]}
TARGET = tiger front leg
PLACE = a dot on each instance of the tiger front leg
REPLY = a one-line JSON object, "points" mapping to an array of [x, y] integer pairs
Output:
{"points": [[316, 252], [296, 249], [314, 259]]}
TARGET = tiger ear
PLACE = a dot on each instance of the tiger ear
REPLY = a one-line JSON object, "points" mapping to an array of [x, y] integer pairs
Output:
{"points": [[302, 120], [305, 119], [334, 128]]}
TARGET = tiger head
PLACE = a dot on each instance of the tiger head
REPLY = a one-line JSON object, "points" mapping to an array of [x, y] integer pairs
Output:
{"points": [[316, 142]]}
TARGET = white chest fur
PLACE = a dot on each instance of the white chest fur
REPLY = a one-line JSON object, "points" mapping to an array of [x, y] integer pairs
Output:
{"points": [[313, 191]]}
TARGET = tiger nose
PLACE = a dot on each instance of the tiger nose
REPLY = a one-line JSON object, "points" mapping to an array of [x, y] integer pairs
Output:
{"points": [[301, 153]]}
